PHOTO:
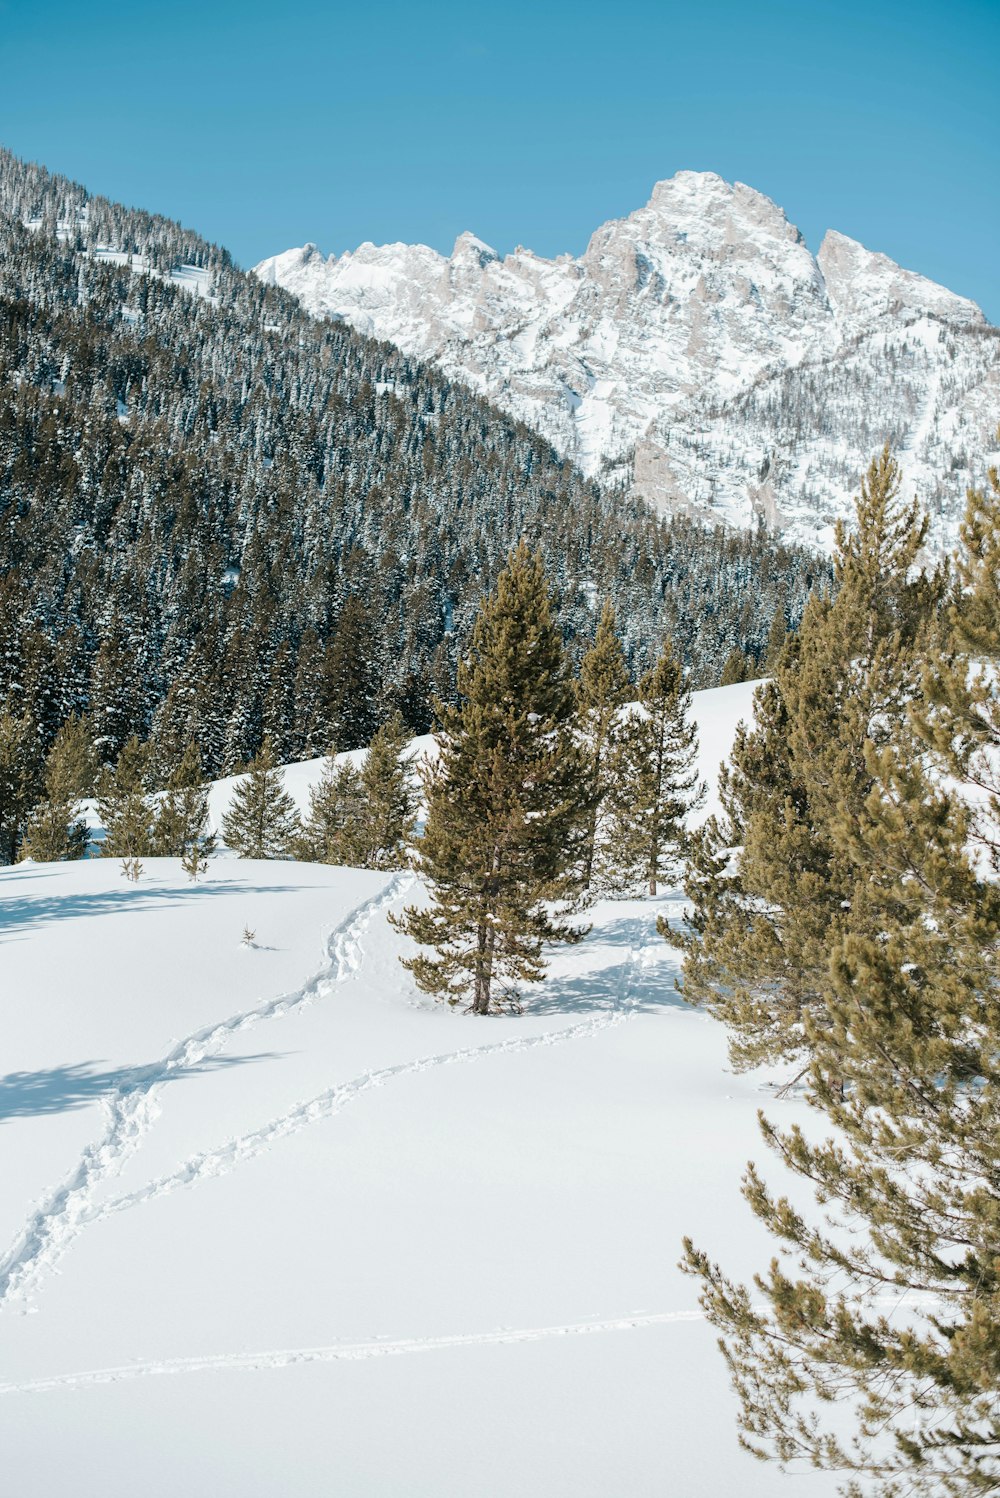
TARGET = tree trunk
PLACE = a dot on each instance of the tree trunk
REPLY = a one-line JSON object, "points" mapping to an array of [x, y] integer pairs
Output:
{"points": [[486, 938]]}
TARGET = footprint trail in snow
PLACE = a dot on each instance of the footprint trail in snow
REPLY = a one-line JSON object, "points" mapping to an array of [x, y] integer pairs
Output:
{"points": [[133, 1107]]}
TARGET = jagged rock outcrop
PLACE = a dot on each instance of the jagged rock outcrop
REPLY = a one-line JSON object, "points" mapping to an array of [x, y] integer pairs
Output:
{"points": [[698, 352]]}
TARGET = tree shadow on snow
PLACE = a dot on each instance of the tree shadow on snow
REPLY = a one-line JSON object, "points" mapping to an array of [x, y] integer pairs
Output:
{"points": [[64, 1089], [23, 912], [644, 988]]}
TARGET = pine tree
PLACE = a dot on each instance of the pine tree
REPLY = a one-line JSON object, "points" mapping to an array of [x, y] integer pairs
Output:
{"points": [[181, 827], [20, 779], [776, 882], [654, 783], [891, 1307], [961, 720], [776, 637], [389, 798], [125, 806], [736, 667], [506, 817], [55, 829], [602, 689], [262, 821], [333, 831]]}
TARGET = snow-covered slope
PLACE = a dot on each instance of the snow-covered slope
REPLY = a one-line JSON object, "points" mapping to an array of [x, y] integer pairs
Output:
{"points": [[699, 351], [273, 1223]]}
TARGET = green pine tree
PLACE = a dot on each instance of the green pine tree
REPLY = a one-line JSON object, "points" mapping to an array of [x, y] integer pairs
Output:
{"points": [[736, 667], [962, 718], [262, 821], [888, 1305], [56, 829], [125, 806], [776, 637], [506, 813], [181, 829], [602, 689], [389, 798], [776, 882], [654, 784], [333, 828], [21, 768]]}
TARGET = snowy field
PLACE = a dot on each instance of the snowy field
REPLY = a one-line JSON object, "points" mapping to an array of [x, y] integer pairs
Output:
{"points": [[272, 1223]]}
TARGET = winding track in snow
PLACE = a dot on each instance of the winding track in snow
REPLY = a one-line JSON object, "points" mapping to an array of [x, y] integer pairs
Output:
{"points": [[133, 1107], [237, 1151], [349, 1352]]}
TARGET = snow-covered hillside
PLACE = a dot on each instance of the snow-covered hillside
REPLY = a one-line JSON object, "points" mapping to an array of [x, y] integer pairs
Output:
{"points": [[698, 350], [273, 1223]]}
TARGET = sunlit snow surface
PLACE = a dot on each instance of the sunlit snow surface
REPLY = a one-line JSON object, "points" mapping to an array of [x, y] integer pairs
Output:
{"points": [[274, 1223]]}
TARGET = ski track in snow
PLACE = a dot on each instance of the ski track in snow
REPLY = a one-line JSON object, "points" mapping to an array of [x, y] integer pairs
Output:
{"points": [[348, 1352], [134, 1106], [247, 1146]]}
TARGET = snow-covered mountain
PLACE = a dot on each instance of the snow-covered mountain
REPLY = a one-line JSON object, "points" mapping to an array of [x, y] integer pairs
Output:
{"points": [[698, 352]]}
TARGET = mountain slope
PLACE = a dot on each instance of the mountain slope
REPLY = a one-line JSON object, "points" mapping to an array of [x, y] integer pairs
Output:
{"points": [[698, 352], [220, 518]]}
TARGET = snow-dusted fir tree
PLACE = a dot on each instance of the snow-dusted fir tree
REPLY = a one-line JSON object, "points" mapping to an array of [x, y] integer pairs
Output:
{"points": [[125, 805], [653, 784], [20, 776], [262, 820], [389, 798], [56, 829], [507, 809], [602, 688], [333, 828], [181, 829], [884, 1301]]}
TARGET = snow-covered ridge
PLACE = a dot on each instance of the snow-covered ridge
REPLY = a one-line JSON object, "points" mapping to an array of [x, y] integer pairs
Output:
{"points": [[698, 351], [194, 278]]}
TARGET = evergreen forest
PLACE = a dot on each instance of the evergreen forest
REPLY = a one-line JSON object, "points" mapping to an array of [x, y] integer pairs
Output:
{"points": [[224, 522]]}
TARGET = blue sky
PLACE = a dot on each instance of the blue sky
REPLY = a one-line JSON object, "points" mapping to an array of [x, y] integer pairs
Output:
{"points": [[264, 126]]}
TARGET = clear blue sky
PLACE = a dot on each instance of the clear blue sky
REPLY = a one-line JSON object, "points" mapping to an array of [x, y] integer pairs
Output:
{"points": [[267, 125]]}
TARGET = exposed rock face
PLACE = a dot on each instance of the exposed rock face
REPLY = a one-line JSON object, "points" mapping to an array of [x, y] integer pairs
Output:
{"points": [[699, 352]]}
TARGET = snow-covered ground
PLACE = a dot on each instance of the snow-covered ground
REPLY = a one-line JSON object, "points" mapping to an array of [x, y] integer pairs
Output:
{"points": [[272, 1223]]}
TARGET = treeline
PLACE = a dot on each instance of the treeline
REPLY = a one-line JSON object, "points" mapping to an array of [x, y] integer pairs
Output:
{"points": [[222, 521], [550, 769], [845, 923]]}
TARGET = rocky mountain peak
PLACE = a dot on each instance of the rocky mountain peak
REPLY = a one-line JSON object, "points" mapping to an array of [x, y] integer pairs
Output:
{"points": [[864, 284], [698, 353]]}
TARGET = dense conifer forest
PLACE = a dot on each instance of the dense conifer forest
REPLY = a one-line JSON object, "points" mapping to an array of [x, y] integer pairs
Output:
{"points": [[221, 519]]}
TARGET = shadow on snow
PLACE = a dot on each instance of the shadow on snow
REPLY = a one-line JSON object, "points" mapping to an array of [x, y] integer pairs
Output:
{"points": [[22, 912], [647, 989], [63, 1089]]}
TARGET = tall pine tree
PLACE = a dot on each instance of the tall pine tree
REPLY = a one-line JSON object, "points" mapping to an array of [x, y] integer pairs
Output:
{"points": [[125, 805], [602, 689], [181, 829], [890, 1307], [771, 887], [333, 830], [507, 812], [654, 783], [388, 798], [56, 829], [262, 820]]}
